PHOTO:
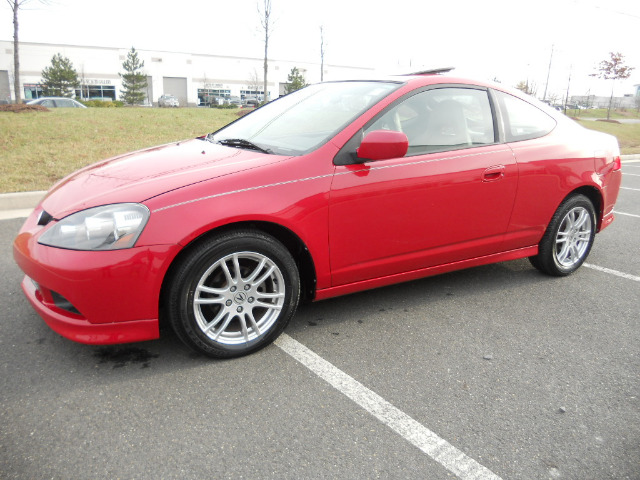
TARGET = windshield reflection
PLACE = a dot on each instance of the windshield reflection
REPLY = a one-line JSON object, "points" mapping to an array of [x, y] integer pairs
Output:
{"points": [[306, 119]]}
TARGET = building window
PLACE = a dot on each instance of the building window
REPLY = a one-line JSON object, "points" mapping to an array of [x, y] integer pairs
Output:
{"points": [[33, 91], [207, 95], [259, 94], [96, 92]]}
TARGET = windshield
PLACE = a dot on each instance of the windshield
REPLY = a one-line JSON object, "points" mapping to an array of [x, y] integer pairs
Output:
{"points": [[306, 119]]}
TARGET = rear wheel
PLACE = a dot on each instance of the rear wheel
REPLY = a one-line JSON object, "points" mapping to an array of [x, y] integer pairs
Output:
{"points": [[233, 294], [568, 239]]}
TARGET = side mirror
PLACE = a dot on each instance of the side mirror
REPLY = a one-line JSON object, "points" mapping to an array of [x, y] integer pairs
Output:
{"points": [[383, 145]]}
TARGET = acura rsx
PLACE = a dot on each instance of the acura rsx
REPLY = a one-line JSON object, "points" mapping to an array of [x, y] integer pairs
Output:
{"points": [[335, 188]]}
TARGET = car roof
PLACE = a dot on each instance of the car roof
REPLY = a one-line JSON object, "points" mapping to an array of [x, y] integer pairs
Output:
{"points": [[440, 76], [54, 98]]}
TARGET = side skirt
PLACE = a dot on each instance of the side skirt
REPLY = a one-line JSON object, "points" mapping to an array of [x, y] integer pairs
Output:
{"points": [[425, 272]]}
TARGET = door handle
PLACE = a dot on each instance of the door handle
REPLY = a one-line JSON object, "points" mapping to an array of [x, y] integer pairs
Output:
{"points": [[493, 173]]}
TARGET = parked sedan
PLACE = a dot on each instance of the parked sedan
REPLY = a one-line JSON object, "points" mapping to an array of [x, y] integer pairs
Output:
{"points": [[168, 101], [56, 102], [335, 188]]}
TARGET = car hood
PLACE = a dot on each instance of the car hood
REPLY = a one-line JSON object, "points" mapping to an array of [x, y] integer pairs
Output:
{"points": [[138, 176]]}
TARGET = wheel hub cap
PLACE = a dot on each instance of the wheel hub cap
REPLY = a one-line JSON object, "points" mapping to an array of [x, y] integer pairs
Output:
{"points": [[574, 235], [239, 298]]}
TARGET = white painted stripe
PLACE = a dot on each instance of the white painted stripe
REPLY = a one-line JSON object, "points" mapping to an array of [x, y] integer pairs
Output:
{"points": [[627, 188], [248, 189], [610, 271], [627, 214], [349, 172], [631, 174], [437, 448]]}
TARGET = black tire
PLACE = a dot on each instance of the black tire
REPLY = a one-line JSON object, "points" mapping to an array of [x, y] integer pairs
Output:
{"points": [[219, 313], [568, 239]]}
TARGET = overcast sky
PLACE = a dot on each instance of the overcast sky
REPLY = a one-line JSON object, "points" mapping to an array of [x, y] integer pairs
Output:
{"points": [[509, 40]]}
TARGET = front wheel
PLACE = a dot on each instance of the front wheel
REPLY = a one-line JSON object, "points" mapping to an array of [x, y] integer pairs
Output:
{"points": [[568, 238], [233, 294]]}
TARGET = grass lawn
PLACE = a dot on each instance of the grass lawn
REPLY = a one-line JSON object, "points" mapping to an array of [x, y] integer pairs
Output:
{"points": [[39, 148], [602, 113]]}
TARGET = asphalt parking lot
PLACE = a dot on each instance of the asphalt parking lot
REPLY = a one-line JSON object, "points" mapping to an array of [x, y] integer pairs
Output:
{"points": [[492, 372]]}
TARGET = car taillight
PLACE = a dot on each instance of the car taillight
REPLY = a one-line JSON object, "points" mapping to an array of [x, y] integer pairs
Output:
{"points": [[617, 163]]}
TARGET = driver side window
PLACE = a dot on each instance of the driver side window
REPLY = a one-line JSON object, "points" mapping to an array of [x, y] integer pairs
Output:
{"points": [[441, 119]]}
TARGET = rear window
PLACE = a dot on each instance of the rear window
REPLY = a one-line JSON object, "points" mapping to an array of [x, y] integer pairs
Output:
{"points": [[523, 121]]}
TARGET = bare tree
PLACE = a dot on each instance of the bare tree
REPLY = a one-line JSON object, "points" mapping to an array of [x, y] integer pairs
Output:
{"points": [[16, 5], [321, 53], [526, 87], [265, 22], [553, 98], [253, 83], [613, 69]]}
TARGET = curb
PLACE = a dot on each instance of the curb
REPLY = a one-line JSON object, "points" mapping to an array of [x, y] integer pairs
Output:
{"points": [[19, 200], [20, 204]]}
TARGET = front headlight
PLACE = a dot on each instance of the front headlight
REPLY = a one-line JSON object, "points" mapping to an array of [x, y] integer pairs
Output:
{"points": [[110, 227]]}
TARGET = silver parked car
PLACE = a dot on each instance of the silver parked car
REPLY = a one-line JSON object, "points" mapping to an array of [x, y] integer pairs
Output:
{"points": [[56, 102], [168, 101]]}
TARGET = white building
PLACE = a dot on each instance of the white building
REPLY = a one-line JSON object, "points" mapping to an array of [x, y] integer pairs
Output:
{"points": [[188, 76], [626, 101]]}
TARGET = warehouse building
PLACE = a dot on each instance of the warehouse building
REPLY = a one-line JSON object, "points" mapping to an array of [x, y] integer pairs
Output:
{"points": [[193, 78]]}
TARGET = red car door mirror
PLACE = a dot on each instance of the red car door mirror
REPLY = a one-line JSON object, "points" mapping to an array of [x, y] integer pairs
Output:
{"points": [[383, 145]]}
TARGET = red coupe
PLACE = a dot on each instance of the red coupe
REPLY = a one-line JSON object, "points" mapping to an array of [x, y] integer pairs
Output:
{"points": [[336, 188]]}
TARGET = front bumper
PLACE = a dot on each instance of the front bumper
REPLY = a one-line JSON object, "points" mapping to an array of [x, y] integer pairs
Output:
{"points": [[95, 297], [79, 329]]}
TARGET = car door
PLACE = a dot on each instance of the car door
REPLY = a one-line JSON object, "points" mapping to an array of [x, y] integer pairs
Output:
{"points": [[63, 102], [448, 199]]}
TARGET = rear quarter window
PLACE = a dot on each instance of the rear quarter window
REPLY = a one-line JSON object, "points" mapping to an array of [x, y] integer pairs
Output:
{"points": [[523, 121]]}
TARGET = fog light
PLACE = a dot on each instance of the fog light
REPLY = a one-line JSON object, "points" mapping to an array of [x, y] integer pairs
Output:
{"points": [[63, 303]]}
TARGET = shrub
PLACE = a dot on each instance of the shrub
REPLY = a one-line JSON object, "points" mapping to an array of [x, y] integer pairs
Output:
{"points": [[102, 103], [224, 106]]}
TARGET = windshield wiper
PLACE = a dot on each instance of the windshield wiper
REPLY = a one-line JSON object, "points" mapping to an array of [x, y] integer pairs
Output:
{"points": [[242, 143]]}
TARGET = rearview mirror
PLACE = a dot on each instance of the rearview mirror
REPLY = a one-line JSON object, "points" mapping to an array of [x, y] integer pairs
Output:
{"points": [[383, 145]]}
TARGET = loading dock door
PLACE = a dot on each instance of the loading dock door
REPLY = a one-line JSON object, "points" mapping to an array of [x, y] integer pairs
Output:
{"points": [[176, 86], [5, 90]]}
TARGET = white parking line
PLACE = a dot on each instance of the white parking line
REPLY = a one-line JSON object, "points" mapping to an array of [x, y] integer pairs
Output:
{"points": [[631, 174], [435, 447], [610, 271], [627, 188], [627, 214]]}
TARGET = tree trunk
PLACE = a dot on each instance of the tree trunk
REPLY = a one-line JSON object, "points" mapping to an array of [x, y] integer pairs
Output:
{"points": [[266, 45], [266, 21], [321, 54], [16, 56], [610, 102]]}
